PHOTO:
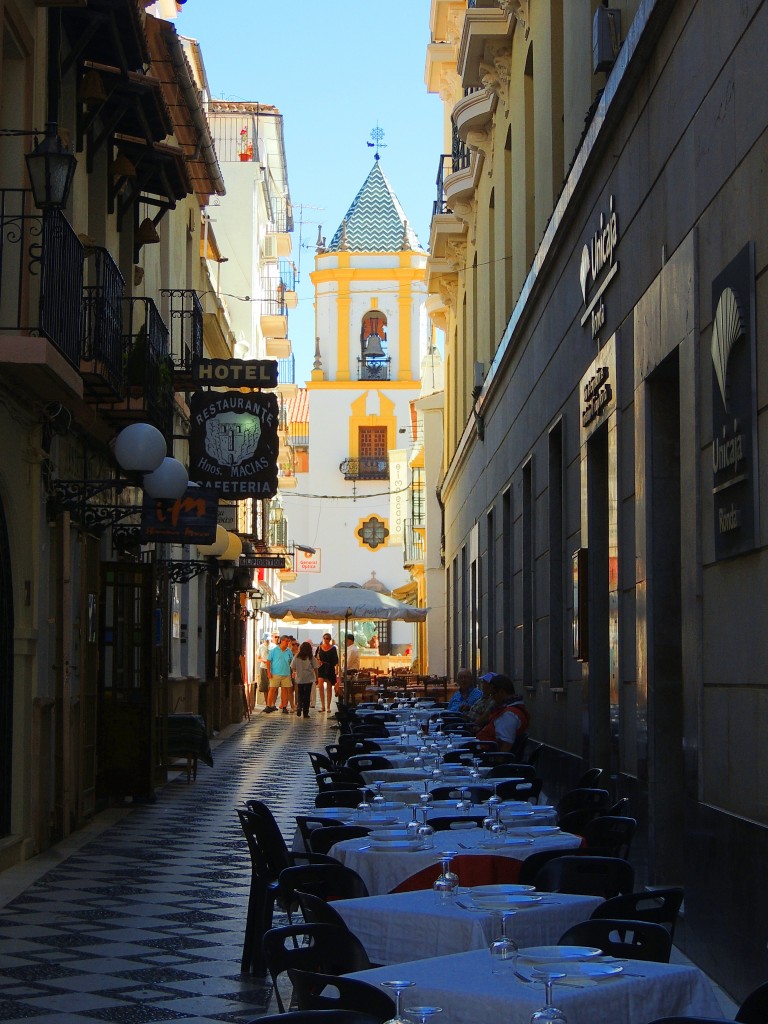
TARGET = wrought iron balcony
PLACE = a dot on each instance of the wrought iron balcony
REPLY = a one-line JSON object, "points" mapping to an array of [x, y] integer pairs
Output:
{"points": [[287, 273], [273, 296], [186, 332], [373, 367], [147, 364], [461, 154], [444, 168], [101, 360], [365, 468], [413, 544], [41, 285]]}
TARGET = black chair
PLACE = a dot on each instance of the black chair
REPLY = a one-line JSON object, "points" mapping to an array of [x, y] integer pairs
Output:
{"points": [[327, 881], [321, 762], [529, 868], [528, 789], [609, 836], [316, 911], [590, 876], [506, 770], [462, 756], [579, 799], [635, 940], [350, 744], [660, 906], [370, 730], [477, 794], [323, 948], [458, 822], [335, 755], [576, 822], [368, 762], [316, 1017], [338, 798], [322, 839], [620, 808], [480, 747], [589, 779], [532, 752], [342, 778], [306, 822], [754, 1009], [326, 992]]}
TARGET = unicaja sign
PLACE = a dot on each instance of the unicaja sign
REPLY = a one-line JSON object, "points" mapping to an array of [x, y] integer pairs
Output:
{"points": [[598, 267]]}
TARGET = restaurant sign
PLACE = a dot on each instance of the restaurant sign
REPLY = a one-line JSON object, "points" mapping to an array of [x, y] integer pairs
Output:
{"points": [[734, 412], [235, 373], [233, 443], [598, 267], [190, 519]]}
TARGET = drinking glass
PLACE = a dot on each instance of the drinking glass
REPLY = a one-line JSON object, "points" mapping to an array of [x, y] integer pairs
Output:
{"points": [[398, 987], [474, 771], [497, 828], [447, 882], [412, 828], [425, 798], [364, 808], [495, 799], [504, 948], [426, 833], [463, 803], [423, 1012], [548, 1014], [379, 798]]}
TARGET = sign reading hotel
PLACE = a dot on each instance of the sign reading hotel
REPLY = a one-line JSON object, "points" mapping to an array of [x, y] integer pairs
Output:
{"points": [[598, 268], [235, 373], [734, 412], [233, 443]]}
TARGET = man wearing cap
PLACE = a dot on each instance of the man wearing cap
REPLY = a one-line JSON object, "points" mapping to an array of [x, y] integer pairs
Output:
{"points": [[509, 720], [481, 710], [467, 693], [279, 670]]}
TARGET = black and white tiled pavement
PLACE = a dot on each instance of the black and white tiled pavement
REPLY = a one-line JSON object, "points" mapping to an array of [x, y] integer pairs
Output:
{"points": [[143, 921]]}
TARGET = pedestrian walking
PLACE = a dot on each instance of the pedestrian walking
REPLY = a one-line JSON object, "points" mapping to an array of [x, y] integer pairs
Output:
{"points": [[304, 668]]}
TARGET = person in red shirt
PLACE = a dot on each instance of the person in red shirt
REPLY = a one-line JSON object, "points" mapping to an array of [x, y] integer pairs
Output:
{"points": [[509, 719]]}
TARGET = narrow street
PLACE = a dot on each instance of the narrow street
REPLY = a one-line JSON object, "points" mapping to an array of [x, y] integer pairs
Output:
{"points": [[144, 922]]}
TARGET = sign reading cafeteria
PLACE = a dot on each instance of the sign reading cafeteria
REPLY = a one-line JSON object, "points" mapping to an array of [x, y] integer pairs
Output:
{"points": [[233, 443]]}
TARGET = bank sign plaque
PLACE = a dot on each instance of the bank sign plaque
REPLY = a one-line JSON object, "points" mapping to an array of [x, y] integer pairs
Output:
{"points": [[233, 443], [734, 409]]}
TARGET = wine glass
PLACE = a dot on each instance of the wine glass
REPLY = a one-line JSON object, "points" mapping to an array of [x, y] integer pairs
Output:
{"points": [[425, 798], [423, 1012], [425, 832], [398, 987], [503, 949], [447, 882], [495, 799], [548, 1014], [379, 798], [364, 808], [463, 803], [497, 828], [474, 771], [412, 828]]}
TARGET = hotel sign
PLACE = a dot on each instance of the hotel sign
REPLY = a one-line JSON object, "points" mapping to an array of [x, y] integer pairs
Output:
{"points": [[235, 373], [598, 267], [734, 411], [233, 443]]}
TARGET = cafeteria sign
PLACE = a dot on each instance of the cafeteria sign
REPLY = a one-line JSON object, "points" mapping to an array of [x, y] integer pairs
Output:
{"points": [[190, 519], [233, 443]]}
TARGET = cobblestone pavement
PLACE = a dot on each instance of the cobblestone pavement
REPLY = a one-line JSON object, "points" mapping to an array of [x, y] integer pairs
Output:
{"points": [[144, 921]]}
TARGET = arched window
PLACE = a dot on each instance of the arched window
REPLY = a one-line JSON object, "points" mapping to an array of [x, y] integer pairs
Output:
{"points": [[374, 361]]}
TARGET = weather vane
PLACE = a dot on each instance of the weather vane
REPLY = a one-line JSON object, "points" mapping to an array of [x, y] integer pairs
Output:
{"points": [[377, 135]]}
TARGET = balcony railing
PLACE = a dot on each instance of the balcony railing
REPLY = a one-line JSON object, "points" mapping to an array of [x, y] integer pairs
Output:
{"points": [[366, 468], [41, 274], [444, 168], [282, 217], [273, 297], [461, 154], [413, 544], [101, 360], [373, 367], [287, 272], [186, 329], [235, 137], [147, 363]]}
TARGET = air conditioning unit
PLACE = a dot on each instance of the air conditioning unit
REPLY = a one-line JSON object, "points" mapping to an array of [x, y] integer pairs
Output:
{"points": [[269, 248], [606, 38]]}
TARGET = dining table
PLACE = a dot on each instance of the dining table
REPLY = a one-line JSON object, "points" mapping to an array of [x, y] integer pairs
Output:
{"points": [[463, 985], [383, 868], [415, 925]]}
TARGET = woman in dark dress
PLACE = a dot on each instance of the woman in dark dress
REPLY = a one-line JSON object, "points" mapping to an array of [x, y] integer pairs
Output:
{"points": [[328, 658]]}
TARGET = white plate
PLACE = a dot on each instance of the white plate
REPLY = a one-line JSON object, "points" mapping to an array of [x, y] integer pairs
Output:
{"points": [[390, 835], [397, 844], [396, 787], [554, 954], [585, 969], [501, 902], [534, 830], [382, 819], [503, 889]]}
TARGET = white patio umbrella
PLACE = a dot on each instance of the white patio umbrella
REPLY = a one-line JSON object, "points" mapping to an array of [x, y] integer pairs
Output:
{"points": [[345, 601]]}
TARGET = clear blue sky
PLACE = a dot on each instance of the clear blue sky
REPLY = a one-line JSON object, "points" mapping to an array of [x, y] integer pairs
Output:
{"points": [[334, 68]]}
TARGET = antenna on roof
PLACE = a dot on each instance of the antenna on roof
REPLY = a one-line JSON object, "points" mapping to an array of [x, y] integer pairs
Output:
{"points": [[377, 135]]}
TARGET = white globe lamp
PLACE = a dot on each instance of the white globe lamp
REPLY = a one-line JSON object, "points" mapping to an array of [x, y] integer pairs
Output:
{"points": [[140, 448], [218, 547], [169, 480], [234, 549]]}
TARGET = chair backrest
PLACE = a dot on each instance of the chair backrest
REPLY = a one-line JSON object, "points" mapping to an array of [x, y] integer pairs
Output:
{"points": [[754, 1009], [635, 940], [370, 729], [505, 769], [306, 822], [593, 876], [322, 839], [530, 866], [479, 747], [316, 911], [576, 821], [269, 854], [328, 881], [312, 947], [472, 869], [327, 992], [532, 752], [528, 789], [340, 778], [367, 762], [459, 821], [660, 906], [620, 808], [338, 798], [316, 1017], [589, 779], [335, 755], [477, 794], [350, 744], [609, 835], [321, 762], [462, 756], [576, 799]]}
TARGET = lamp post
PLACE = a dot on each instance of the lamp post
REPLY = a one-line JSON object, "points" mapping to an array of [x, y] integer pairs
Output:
{"points": [[51, 167]]}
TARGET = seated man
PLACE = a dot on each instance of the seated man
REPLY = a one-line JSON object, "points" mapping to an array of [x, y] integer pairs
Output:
{"points": [[480, 712], [467, 693], [509, 720]]}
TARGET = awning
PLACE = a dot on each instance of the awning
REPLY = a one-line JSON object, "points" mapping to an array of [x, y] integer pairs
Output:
{"points": [[408, 593]]}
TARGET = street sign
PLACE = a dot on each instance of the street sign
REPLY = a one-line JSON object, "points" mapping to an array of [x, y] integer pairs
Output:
{"points": [[263, 562]]}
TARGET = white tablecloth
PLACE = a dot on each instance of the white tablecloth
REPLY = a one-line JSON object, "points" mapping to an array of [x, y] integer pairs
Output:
{"points": [[415, 925], [464, 986], [382, 870]]}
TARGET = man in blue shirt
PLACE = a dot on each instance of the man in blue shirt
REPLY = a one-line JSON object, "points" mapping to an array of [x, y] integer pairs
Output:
{"points": [[279, 672], [467, 693]]}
